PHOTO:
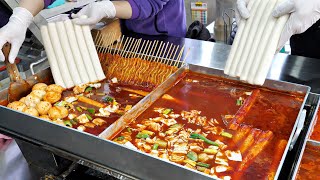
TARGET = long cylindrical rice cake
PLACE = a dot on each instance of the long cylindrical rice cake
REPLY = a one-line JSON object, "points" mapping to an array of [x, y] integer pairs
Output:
{"points": [[244, 37], [251, 36], [51, 57], [76, 51], [93, 52], [85, 53], [266, 62], [258, 37], [263, 45], [68, 53], [60, 55]]}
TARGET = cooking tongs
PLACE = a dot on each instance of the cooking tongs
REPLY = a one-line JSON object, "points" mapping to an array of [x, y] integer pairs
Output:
{"points": [[18, 87]]}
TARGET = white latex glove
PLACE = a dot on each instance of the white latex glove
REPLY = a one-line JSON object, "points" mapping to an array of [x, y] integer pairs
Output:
{"points": [[303, 14], [241, 10], [15, 32], [95, 12]]}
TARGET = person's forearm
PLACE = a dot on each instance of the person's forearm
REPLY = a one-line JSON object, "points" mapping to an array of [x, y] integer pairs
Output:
{"points": [[123, 9], [34, 6]]}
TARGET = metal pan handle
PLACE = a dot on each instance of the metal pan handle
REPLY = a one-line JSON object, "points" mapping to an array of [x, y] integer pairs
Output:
{"points": [[301, 120]]}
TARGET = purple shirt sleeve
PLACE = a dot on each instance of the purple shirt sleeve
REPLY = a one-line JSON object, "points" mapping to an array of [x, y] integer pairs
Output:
{"points": [[142, 9], [47, 3]]}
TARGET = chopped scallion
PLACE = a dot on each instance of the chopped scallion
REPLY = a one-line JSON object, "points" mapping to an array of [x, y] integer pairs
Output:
{"points": [[199, 136], [107, 99], [79, 109], [155, 146], [120, 138], [193, 156], [89, 117], [167, 111], [88, 89], [68, 123], [203, 164], [91, 110], [142, 136]]}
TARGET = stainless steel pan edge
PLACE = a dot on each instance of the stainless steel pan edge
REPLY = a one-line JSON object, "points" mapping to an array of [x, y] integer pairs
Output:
{"points": [[307, 140]]}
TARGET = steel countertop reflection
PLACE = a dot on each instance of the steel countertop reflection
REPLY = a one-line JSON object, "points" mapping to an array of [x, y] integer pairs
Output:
{"points": [[295, 69]]}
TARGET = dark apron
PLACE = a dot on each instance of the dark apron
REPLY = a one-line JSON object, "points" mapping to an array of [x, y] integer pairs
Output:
{"points": [[5, 14], [307, 44]]}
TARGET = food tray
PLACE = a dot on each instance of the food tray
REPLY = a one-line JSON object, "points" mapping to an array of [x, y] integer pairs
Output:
{"points": [[107, 154], [119, 125], [307, 139]]}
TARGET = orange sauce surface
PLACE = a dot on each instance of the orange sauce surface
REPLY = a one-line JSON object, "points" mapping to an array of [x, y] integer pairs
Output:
{"points": [[272, 111]]}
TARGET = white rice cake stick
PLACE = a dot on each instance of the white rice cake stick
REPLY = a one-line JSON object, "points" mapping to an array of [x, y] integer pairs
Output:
{"points": [[244, 38], [51, 57], [59, 55], [93, 52], [268, 56], [263, 44], [237, 41], [252, 35], [85, 53], [68, 53], [76, 51], [258, 37]]}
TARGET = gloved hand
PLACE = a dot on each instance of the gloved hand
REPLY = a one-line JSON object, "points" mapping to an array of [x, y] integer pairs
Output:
{"points": [[4, 142], [95, 12], [15, 32], [242, 10], [303, 14]]}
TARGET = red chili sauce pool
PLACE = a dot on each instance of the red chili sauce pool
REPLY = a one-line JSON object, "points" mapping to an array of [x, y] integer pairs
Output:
{"points": [[114, 91], [215, 98], [310, 163]]}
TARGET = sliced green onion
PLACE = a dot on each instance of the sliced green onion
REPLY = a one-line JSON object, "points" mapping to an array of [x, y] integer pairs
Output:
{"points": [[107, 99], [79, 109], [89, 117], [120, 138], [167, 111], [142, 136], [193, 156], [129, 130], [67, 123], [226, 134], [74, 121], [88, 89], [162, 143], [203, 164], [199, 168], [155, 146], [199, 136], [91, 110]]}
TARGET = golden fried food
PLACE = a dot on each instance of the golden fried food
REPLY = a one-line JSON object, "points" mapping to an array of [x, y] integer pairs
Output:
{"points": [[59, 121], [54, 88], [52, 97], [31, 111], [45, 117], [17, 105], [23, 100], [39, 93], [39, 86], [32, 100], [43, 107], [58, 113]]}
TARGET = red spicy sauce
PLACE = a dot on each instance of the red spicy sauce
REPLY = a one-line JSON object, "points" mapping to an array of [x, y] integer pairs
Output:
{"points": [[214, 97], [310, 163], [112, 90], [315, 135]]}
